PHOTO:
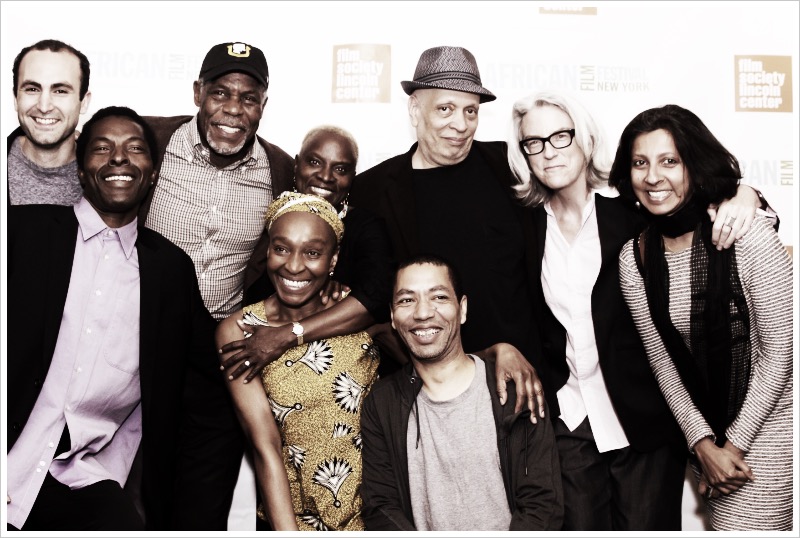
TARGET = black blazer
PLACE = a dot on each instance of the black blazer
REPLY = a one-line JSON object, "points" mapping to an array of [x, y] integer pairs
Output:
{"points": [[640, 406], [191, 443], [387, 190]]}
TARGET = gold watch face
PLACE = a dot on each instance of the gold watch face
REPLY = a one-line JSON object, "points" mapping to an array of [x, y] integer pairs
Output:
{"points": [[297, 329]]}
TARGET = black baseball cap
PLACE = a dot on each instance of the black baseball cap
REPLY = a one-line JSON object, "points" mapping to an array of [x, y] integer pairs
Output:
{"points": [[231, 57]]}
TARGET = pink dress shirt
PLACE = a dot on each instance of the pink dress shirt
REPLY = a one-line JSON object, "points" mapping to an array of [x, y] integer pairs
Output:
{"points": [[93, 381]]}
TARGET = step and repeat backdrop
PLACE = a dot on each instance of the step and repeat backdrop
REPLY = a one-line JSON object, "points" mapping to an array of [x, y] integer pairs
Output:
{"points": [[732, 63]]}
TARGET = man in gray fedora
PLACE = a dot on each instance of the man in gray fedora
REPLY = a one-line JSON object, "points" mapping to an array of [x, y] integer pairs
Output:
{"points": [[451, 196]]}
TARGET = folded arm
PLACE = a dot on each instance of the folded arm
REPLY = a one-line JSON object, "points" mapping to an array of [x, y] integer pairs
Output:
{"points": [[268, 343], [733, 218]]}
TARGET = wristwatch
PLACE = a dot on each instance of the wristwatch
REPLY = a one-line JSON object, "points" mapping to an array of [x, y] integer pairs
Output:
{"points": [[298, 331]]}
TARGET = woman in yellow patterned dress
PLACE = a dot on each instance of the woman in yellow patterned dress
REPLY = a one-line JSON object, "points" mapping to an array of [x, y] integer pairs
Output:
{"points": [[303, 424]]}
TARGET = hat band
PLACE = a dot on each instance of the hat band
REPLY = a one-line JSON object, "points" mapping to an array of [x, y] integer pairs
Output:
{"points": [[449, 75]]}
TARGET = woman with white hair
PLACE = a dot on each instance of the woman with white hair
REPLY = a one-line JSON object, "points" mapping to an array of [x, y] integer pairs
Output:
{"points": [[621, 452]]}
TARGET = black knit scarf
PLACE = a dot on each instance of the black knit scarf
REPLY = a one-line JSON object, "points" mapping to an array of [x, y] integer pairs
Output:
{"points": [[715, 367]]}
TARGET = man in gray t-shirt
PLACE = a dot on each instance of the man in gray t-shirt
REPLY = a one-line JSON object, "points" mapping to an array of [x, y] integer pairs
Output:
{"points": [[439, 451], [51, 91]]}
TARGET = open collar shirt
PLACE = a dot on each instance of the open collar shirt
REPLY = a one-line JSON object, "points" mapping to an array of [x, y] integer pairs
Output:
{"points": [[569, 273], [92, 384], [216, 215]]}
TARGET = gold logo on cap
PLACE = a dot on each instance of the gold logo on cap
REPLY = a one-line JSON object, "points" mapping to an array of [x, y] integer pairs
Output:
{"points": [[240, 50]]}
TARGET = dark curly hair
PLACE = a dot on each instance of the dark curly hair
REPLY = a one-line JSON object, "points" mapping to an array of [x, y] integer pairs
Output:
{"points": [[713, 170]]}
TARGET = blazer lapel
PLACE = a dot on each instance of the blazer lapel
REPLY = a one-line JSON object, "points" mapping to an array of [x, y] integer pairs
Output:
{"points": [[539, 220], [613, 227], [59, 255], [149, 306], [613, 231]]}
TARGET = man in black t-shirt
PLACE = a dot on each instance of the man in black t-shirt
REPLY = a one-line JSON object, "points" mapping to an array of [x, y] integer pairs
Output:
{"points": [[451, 196]]}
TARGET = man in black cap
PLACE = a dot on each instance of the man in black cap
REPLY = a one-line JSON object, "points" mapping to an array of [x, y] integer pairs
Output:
{"points": [[216, 177], [451, 196], [215, 182]]}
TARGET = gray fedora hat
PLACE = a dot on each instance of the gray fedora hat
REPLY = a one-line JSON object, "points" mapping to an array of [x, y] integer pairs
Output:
{"points": [[448, 68]]}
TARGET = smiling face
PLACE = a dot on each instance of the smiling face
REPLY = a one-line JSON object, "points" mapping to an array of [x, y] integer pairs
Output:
{"points": [[445, 121], [302, 251], [558, 169], [659, 178], [326, 167], [426, 313], [231, 107], [117, 169], [47, 98]]}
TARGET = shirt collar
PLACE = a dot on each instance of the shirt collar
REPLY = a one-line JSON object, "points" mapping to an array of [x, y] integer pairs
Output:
{"points": [[587, 209], [91, 224], [197, 148]]}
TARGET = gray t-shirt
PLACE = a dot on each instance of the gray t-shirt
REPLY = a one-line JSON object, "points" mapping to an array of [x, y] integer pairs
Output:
{"points": [[29, 183], [454, 475]]}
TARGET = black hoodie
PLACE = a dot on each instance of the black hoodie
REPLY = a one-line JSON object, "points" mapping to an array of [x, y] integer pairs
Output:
{"points": [[528, 457]]}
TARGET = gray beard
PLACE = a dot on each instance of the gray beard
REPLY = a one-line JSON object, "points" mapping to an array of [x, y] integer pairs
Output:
{"points": [[223, 151]]}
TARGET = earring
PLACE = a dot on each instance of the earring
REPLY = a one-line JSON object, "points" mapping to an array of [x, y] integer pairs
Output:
{"points": [[330, 274], [294, 184]]}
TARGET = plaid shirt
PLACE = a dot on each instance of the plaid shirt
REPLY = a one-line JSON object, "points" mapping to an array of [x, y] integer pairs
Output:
{"points": [[215, 215]]}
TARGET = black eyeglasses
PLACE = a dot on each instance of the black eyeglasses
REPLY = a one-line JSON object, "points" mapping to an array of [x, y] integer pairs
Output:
{"points": [[535, 144]]}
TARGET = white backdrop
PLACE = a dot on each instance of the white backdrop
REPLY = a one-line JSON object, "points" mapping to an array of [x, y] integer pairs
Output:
{"points": [[618, 57]]}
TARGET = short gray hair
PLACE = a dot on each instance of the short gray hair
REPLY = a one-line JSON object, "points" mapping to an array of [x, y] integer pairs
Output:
{"points": [[332, 129], [588, 136]]}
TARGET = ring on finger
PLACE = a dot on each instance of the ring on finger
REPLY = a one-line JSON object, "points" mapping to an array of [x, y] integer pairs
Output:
{"points": [[247, 363], [730, 222]]}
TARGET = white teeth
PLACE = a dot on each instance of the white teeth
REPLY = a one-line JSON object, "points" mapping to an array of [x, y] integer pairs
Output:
{"points": [[229, 130], [658, 195], [45, 121], [295, 284], [320, 191], [119, 178], [426, 332]]}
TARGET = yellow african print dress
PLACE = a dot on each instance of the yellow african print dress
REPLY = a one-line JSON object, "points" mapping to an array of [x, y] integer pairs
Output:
{"points": [[316, 391]]}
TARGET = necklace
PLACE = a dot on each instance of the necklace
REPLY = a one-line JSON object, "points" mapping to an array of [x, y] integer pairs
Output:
{"points": [[677, 246]]}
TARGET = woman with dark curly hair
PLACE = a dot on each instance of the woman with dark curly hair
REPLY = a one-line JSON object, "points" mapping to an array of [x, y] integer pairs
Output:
{"points": [[717, 325]]}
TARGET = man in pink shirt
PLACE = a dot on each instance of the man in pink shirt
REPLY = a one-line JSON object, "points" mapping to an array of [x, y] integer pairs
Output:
{"points": [[117, 416]]}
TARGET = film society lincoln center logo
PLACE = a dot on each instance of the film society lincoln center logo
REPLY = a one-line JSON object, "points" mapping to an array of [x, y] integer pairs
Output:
{"points": [[763, 83], [361, 74]]}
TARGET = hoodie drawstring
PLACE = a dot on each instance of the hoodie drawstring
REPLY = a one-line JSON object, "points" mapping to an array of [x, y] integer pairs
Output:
{"points": [[416, 413]]}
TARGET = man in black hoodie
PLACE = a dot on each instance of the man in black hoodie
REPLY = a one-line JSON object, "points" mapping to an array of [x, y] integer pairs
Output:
{"points": [[440, 452]]}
